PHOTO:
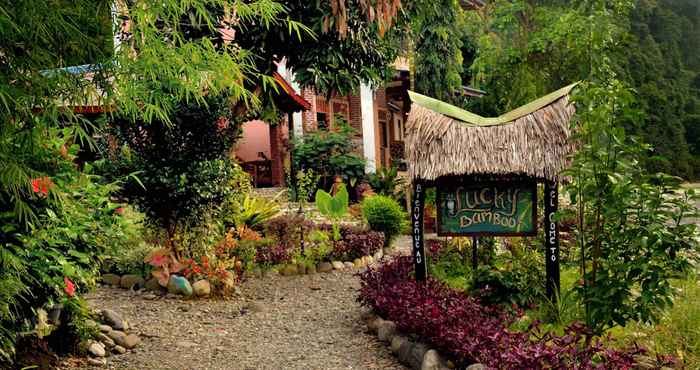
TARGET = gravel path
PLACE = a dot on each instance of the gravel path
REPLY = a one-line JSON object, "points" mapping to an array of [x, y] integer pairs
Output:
{"points": [[299, 322]]}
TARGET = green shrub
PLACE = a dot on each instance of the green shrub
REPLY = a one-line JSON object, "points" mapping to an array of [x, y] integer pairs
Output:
{"points": [[73, 223], [126, 256], [386, 181], [330, 153], [251, 211], [184, 171], [319, 247], [384, 214]]}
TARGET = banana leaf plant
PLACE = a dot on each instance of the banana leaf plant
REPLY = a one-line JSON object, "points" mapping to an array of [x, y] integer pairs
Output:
{"points": [[334, 207]]}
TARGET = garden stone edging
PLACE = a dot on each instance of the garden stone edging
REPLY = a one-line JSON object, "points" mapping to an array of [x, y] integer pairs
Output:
{"points": [[415, 355], [113, 338], [178, 285]]}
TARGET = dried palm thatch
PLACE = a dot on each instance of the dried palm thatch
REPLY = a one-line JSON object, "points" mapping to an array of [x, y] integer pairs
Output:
{"points": [[533, 140]]}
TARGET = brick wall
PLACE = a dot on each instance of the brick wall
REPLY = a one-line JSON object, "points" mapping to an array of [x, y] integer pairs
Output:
{"points": [[355, 113], [308, 118]]}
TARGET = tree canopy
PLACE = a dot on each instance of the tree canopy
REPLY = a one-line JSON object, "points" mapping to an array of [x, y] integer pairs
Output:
{"points": [[525, 49]]}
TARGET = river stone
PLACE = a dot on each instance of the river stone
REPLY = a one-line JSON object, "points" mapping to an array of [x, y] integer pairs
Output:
{"points": [[153, 285], [97, 349], [289, 270], [432, 361], [130, 341], [311, 269], [111, 279], [201, 288], [129, 281], [396, 342], [404, 351], [325, 267], [367, 315], [301, 269], [411, 354], [119, 350], [104, 328], [180, 285], [370, 260], [97, 361], [113, 319], [418, 352], [373, 325], [107, 341], [117, 336], [349, 265], [338, 265], [386, 330], [476, 367], [172, 287], [358, 263]]}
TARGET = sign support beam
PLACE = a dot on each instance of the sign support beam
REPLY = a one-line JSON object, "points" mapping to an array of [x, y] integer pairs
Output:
{"points": [[551, 238], [418, 249]]}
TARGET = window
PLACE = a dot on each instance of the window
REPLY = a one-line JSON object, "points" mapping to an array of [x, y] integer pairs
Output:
{"points": [[321, 121]]}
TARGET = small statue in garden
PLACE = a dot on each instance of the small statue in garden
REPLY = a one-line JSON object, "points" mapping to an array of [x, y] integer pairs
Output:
{"points": [[337, 183]]}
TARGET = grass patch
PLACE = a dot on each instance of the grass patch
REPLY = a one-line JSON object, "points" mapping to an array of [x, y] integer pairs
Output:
{"points": [[678, 331]]}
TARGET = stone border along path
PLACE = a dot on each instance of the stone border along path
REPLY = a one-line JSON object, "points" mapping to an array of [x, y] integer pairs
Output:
{"points": [[277, 322]]}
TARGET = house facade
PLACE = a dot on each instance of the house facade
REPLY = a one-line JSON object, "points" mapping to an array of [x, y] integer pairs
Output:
{"points": [[378, 116]]}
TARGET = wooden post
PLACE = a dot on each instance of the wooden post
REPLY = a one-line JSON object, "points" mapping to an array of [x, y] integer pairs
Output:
{"points": [[551, 237], [417, 227], [475, 255]]}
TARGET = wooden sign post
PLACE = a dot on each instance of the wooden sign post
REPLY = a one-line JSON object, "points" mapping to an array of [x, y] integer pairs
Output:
{"points": [[418, 248], [466, 207], [551, 237]]}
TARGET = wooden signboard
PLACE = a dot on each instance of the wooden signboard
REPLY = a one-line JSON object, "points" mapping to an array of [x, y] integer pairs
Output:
{"points": [[497, 208]]}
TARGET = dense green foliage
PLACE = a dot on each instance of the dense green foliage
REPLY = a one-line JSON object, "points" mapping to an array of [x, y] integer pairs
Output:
{"points": [[75, 223], [329, 153], [57, 218], [661, 60], [437, 28], [386, 181], [182, 167], [629, 228], [525, 49]]}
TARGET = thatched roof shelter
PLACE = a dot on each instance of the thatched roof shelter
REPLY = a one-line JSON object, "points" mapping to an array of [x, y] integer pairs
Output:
{"points": [[533, 140]]}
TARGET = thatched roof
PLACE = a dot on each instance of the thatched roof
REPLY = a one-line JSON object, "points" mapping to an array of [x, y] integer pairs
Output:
{"points": [[532, 140]]}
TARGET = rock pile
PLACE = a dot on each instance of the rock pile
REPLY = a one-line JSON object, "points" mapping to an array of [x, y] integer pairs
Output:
{"points": [[324, 267], [415, 355], [114, 338]]}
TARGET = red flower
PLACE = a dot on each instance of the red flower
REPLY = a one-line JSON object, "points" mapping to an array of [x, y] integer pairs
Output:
{"points": [[35, 185], [70, 287], [119, 210], [41, 185]]}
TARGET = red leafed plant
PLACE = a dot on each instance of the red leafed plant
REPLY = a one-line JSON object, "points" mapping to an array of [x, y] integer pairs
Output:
{"points": [[165, 263], [462, 328]]}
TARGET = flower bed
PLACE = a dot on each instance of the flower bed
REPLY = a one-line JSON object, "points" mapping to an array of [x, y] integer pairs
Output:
{"points": [[459, 327], [355, 242]]}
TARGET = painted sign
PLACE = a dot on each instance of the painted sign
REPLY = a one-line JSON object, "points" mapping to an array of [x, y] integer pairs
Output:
{"points": [[487, 209]]}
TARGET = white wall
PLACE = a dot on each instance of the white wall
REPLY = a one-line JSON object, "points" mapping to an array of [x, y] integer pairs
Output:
{"points": [[368, 141], [297, 123]]}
